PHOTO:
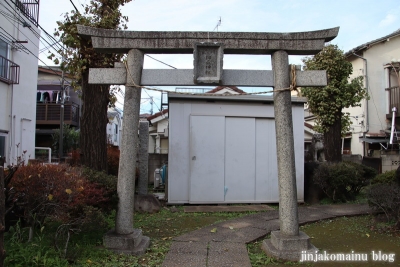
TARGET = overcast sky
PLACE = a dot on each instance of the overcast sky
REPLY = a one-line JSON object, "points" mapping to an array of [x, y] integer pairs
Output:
{"points": [[359, 22]]}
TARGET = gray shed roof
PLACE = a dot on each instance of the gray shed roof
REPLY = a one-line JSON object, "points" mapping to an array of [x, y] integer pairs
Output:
{"points": [[232, 98]]}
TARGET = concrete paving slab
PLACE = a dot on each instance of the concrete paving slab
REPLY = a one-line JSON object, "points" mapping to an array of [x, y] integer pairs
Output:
{"points": [[226, 254], [222, 233], [344, 209], [243, 235], [187, 254], [205, 234], [268, 215], [227, 208], [272, 225], [255, 222], [227, 243], [310, 215]]}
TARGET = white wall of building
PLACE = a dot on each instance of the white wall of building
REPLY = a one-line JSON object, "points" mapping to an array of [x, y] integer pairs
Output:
{"points": [[370, 118], [114, 127], [18, 101], [158, 139]]}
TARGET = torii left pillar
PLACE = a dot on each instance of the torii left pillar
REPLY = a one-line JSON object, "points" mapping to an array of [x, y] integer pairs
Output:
{"points": [[124, 238]]}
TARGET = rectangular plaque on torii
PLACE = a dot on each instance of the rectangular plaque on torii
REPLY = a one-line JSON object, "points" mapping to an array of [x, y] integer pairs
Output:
{"points": [[208, 61]]}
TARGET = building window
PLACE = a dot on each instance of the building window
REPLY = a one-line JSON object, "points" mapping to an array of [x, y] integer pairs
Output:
{"points": [[116, 133], [9, 71], [3, 58], [3, 145], [3, 48]]}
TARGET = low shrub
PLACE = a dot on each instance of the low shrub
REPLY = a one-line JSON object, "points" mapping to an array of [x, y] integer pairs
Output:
{"points": [[384, 196], [106, 181], [56, 191], [385, 178], [342, 181], [75, 159]]}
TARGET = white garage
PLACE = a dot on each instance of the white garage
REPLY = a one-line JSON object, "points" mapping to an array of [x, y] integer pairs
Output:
{"points": [[222, 149]]}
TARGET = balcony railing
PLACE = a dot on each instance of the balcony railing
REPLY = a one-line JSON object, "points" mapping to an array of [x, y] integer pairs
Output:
{"points": [[394, 100], [30, 8], [9, 71], [49, 113]]}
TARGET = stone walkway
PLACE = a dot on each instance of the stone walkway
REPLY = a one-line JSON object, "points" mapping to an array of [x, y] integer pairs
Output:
{"points": [[224, 244]]}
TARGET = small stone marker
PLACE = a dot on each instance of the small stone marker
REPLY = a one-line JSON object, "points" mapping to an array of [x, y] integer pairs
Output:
{"points": [[143, 182]]}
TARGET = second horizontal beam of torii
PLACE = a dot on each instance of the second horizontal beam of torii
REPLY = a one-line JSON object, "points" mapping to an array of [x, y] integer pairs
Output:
{"points": [[184, 77]]}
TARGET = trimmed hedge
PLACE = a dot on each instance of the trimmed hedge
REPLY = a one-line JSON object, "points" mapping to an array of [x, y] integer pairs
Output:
{"points": [[343, 181], [384, 196]]}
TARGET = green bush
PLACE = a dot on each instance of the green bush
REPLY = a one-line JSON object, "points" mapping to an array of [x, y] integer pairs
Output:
{"points": [[70, 139], [342, 181], [385, 178], [384, 195], [106, 181]]}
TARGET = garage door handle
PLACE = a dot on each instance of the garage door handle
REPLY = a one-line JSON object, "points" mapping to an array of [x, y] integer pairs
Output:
{"points": [[194, 158]]}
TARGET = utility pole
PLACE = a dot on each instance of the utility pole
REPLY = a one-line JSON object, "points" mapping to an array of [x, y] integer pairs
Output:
{"points": [[151, 103], [60, 142]]}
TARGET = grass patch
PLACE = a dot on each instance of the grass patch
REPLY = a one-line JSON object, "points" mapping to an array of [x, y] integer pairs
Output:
{"points": [[360, 234], [85, 248]]}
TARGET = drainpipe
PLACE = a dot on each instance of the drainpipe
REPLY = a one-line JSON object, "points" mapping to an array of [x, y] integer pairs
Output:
{"points": [[11, 131], [20, 133], [366, 100]]}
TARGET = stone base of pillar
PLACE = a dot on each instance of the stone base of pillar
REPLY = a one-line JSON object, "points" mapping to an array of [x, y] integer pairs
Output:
{"points": [[133, 244], [288, 247]]}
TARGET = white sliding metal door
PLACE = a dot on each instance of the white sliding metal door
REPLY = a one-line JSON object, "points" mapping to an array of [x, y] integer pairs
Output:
{"points": [[240, 159], [266, 163], [207, 152], [232, 160]]}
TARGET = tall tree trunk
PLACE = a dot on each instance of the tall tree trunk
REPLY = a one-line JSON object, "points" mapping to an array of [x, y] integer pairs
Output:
{"points": [[93, 136], [333, 142], [2, 214]]}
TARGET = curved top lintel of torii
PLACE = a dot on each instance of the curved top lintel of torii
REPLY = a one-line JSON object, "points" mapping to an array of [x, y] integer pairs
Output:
{"points": [[176, 42]]}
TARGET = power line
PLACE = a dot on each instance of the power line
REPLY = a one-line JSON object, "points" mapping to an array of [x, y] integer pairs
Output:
{"points": [[47, 47], [13, 24], [161, 62], [23, 22], [152, 99]]}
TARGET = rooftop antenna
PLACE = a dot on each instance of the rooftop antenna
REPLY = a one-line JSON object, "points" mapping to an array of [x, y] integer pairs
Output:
{"points": [[216, 28], [218, 24]]}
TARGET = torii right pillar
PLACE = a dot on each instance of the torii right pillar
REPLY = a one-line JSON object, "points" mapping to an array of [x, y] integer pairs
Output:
{"points": [[289, 242]]}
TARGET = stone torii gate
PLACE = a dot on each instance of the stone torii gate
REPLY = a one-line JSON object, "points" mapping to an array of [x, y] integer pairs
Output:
{"points": [[208, 50]]}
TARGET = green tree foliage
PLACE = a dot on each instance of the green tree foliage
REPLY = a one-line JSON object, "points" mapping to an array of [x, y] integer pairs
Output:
{"points": [[327, 103], [79, 56], [70, 139]]}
